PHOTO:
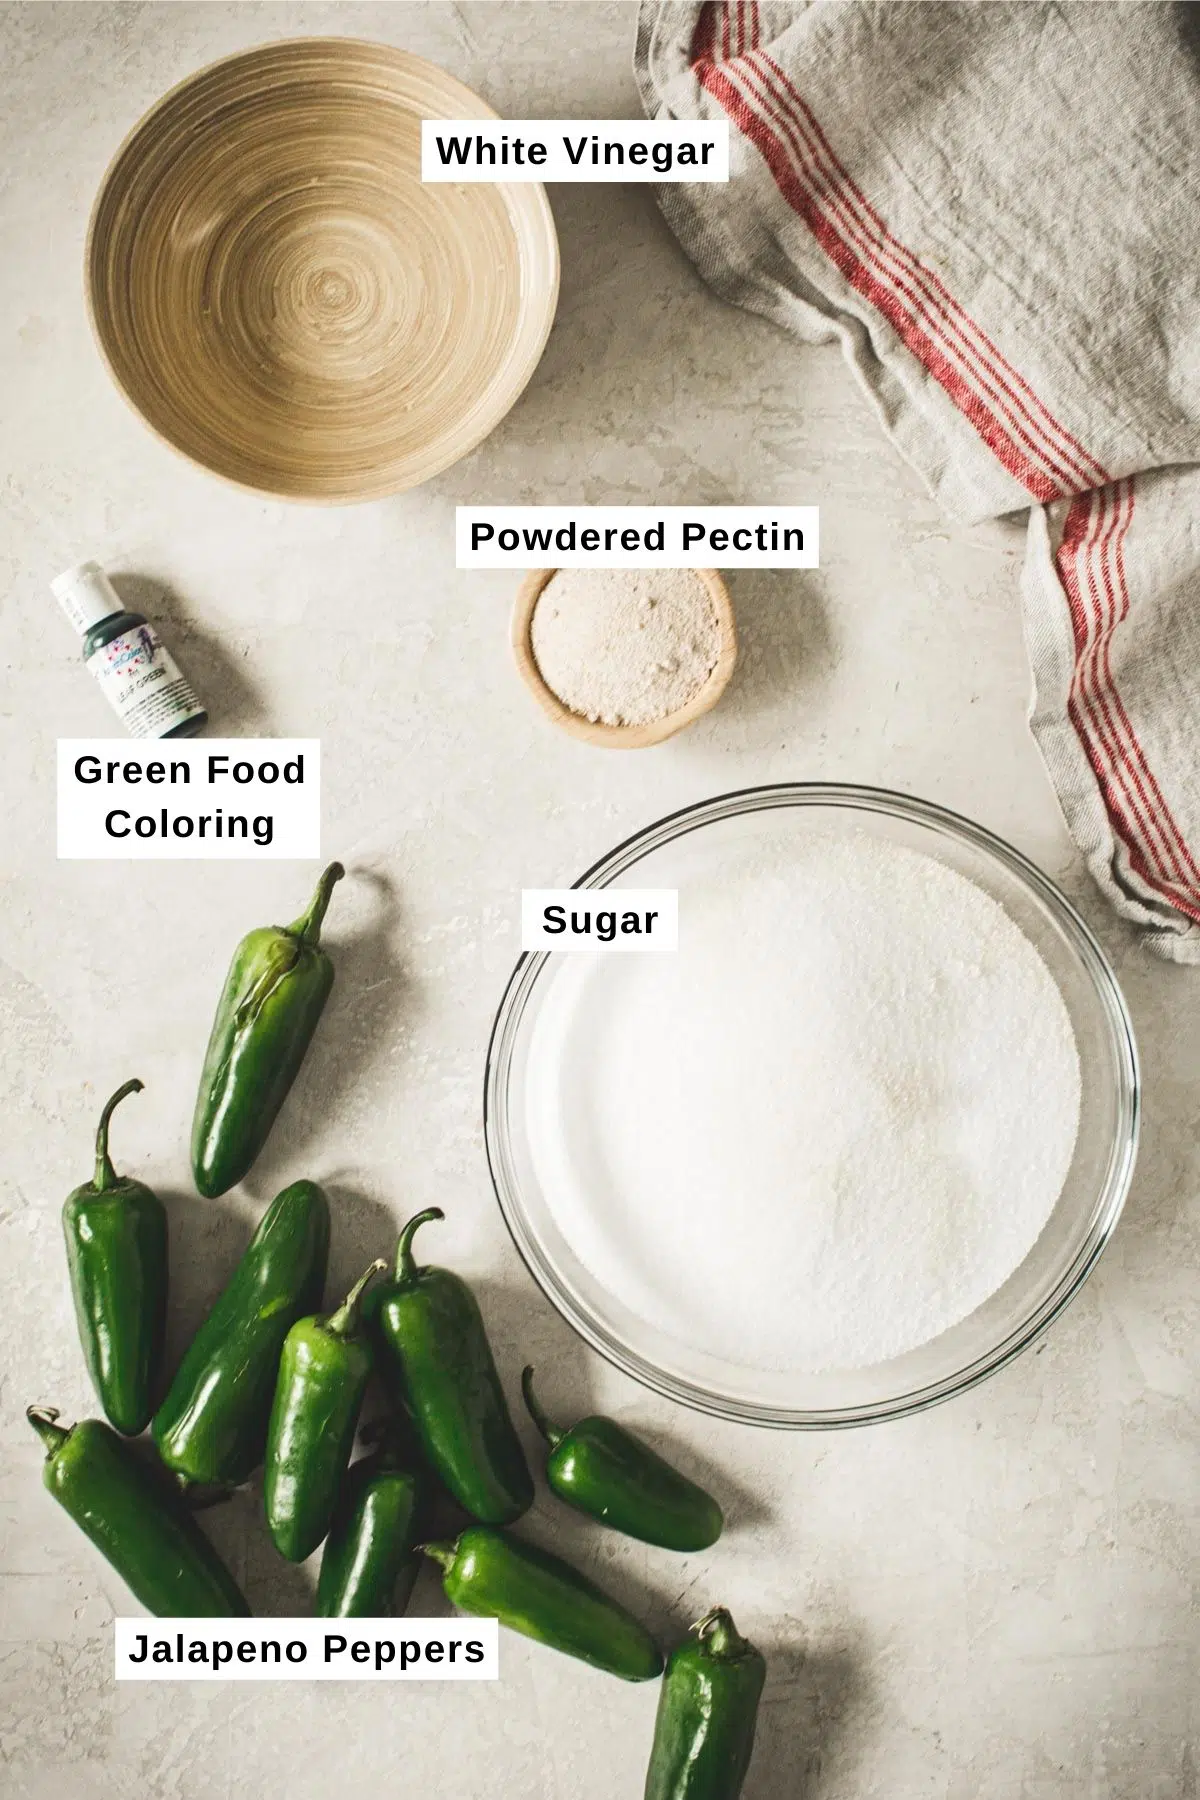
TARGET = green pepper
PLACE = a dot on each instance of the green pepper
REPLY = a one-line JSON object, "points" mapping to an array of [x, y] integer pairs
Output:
{"points": [[603, 1470], [318, 1393], [370, 1563], [276, 989], [143, 1530], [493, 1575], [212, 1426], [707, 1709], [116, 1232], [434, 1345]]}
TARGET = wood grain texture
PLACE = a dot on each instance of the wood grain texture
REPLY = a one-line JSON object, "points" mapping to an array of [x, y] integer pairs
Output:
{"points": [[282, 300], [622, 737]]}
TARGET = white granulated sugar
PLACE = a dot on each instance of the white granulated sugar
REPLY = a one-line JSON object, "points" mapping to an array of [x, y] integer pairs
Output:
{"points": [[625, 646], [829, 1127]]}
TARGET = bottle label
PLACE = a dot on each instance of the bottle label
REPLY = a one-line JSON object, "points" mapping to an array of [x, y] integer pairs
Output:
{"points": [[142, 683]]}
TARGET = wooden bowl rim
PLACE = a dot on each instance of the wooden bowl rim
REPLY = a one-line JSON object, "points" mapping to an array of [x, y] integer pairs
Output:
{"points": [[536, 191], [622, 737]]}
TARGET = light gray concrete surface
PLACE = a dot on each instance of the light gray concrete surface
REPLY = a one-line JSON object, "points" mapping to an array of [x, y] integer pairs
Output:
{"points": [[998, 1598]]}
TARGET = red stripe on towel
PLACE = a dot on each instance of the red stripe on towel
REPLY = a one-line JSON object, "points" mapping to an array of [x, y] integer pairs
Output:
{"points": [[704, 36], [1078, 462], [733, 25], [1090, 566], [911, 329], [1094, 670], [1190, 870], [929, 304], [1090, 522]]}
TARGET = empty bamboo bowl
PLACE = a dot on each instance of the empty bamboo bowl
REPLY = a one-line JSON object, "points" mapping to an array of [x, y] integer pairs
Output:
{"points": [[622, 737], [281, 298]]}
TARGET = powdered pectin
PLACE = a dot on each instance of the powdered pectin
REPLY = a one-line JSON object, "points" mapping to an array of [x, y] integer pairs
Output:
{"points": [[625, 646]]}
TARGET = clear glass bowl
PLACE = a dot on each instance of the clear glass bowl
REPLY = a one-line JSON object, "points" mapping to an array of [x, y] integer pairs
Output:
{"points": [[694, 841]]}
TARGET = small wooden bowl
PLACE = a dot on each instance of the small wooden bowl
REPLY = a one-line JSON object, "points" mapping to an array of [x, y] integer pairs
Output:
{"points": [[622, 737]]}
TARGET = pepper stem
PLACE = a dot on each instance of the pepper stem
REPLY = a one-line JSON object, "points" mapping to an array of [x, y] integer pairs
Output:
{"points": [[443, 1551], [344, 1322], [106, 1176], [43, 1418], [406, 1267], [553, 1434], [308, 926], [720, 1636]]}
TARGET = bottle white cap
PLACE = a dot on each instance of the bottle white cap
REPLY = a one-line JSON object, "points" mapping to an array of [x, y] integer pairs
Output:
{"points": [[86, 595]]}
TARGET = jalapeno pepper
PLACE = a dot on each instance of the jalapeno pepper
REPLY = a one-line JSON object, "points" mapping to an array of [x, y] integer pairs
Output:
{"points": [[116, 1234], [143, 1530], [370, 1562], [707, 1710], [494, 1575], [603, 1470], [318, 1393], [431, 1334], [212, 1426], [274, 994]]}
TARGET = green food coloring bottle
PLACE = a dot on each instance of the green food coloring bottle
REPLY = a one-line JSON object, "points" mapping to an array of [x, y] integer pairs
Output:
{"points": [[138, 675]]}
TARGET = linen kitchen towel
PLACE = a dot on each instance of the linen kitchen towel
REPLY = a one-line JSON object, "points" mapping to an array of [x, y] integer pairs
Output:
{"points": [[995, 209]]}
